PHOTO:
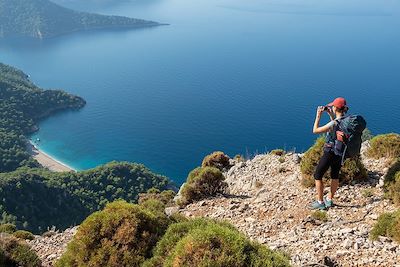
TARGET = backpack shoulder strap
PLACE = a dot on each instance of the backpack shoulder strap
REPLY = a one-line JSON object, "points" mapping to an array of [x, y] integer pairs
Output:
{"points": [[339, 120]]}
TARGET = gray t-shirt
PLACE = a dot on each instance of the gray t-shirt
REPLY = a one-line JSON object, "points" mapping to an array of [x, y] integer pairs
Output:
{"points": [[331, 124]]}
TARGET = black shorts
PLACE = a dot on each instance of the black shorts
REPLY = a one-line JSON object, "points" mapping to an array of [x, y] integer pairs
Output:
{"points": [[329, 159]]}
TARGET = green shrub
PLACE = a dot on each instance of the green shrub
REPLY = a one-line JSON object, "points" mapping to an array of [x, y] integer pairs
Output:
{"points": [[201, 183], [122, 234], [21, 234], [14, 252], [278, 152], [390, 176], [319, 215], [217, 160], [392, 182], [353, 169], [203, 242], [385, 146], [8, 228], [388, 225], [394, 189], [165, 197]]}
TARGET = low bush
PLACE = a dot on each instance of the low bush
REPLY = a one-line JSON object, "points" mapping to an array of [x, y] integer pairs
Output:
{"points": [[165, 197], [319, 215], [203, 242], [217, 160], [385, 146], [388, 225], [7, 228], [121, 235], [392, 182], [352, 170], [391, 174], [394, 189], [278, 152], [25, 235], [14, 252], [201, 183]]}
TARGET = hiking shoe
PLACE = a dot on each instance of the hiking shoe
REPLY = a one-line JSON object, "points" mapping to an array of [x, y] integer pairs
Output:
{"points": [[328, 203], [317, 206]]}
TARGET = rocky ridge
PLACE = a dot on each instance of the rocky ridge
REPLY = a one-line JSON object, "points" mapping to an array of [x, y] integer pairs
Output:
{"points": [[268, 204], [266, 201]]}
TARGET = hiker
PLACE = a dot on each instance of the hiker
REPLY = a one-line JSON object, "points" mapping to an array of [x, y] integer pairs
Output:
{"points": [[333, 151]]}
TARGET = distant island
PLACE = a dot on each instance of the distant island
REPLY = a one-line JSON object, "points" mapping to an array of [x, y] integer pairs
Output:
{"points": [[45, 19]]}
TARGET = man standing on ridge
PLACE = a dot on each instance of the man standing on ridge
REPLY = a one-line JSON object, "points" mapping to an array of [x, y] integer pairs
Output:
{"points": [[336, 111]]}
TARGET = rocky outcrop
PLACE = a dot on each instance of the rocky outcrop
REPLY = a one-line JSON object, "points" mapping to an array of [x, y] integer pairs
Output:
{"points": [[52, 245], [268, 204]]}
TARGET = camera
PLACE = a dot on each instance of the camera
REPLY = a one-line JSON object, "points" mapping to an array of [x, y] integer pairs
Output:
{"points": [[326, 108]]}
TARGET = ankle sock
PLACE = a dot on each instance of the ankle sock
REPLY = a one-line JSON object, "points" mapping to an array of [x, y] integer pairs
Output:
{"points": [[320, 202]]}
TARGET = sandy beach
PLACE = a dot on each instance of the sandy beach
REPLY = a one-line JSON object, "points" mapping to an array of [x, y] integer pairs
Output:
{"points": [[47, 161]]}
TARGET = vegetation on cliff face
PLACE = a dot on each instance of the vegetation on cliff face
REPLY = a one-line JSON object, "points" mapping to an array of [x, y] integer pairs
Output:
{"points": [[34, 199], [21, 104], [43, 18], [126, 234], [122, 234]]}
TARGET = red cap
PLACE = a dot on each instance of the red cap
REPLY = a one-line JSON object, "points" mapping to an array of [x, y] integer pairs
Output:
{"points": [[339, 103]]}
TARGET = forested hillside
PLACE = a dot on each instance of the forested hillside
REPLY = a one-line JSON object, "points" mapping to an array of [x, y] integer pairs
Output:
{"points": [[21, 104], [43, 18], [35, 198]]}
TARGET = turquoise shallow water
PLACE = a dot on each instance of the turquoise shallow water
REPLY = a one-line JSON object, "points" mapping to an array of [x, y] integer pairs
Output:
{"points": [[237, 76]]}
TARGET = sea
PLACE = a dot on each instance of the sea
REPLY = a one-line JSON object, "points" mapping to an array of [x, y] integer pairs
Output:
{"points": [[242, 77]]}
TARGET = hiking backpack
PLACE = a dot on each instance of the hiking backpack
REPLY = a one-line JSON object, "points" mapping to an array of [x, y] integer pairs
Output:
{"points": [[352, 127]]}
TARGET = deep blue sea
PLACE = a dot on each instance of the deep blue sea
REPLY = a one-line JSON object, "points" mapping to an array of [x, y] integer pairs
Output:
{"points": [[242, 76]]}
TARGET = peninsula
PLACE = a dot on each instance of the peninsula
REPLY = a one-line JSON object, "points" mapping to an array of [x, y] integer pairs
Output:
{"points": [[45, 19]]}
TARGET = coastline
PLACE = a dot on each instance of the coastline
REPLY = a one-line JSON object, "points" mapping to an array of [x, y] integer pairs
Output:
{"points": [[48, 161]]}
